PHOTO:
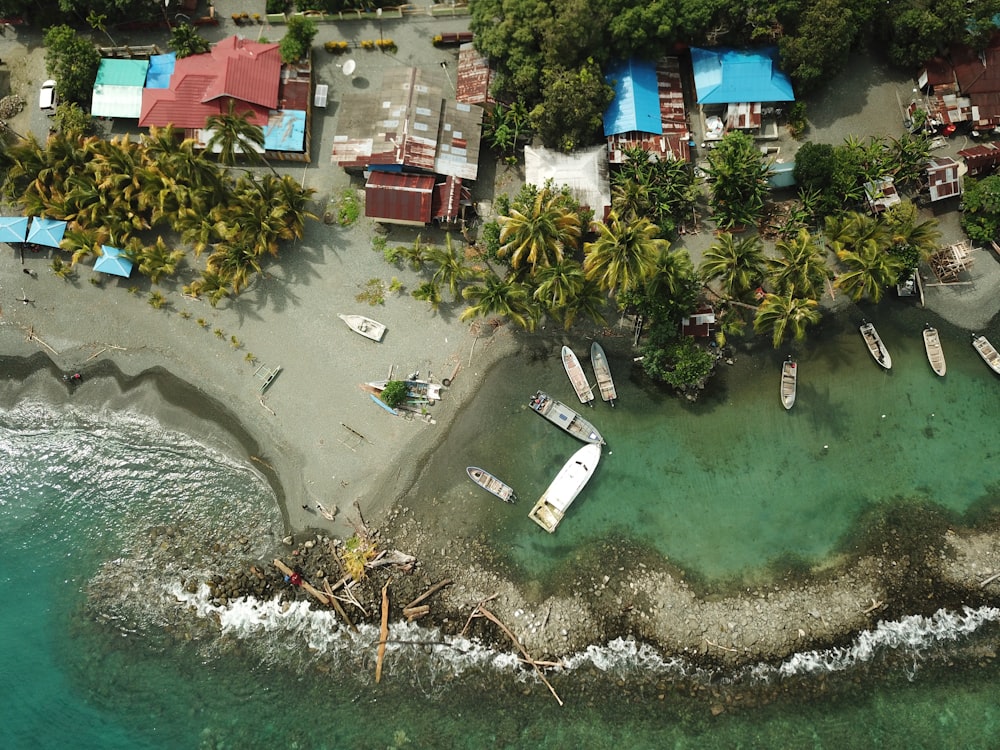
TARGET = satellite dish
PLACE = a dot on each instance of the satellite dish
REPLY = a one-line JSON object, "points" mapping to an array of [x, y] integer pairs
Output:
{"points": [[349, 66]]}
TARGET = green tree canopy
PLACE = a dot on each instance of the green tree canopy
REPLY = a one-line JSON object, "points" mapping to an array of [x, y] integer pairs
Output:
{"points": [[297, 41], [573, 102], [739, 181], [981, 209], [72, 61]]}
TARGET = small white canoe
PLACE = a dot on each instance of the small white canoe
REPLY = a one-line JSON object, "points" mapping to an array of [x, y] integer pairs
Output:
{"points": [[577, 376], [935, 354], [370, 329], [602, 370], [988, 352], [875, 346], [789, 382], [491, 483]]}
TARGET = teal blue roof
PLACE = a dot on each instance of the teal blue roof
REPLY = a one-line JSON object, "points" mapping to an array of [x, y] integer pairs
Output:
{"points": [[287, 133], [726, 76], [122, 73], [636, 105]]}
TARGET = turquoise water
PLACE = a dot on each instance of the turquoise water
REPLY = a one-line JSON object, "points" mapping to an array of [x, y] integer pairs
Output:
{"points": [[102, 513]]}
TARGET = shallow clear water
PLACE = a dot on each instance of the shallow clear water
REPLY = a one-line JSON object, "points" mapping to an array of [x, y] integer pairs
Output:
{"points": [[101, 647]]}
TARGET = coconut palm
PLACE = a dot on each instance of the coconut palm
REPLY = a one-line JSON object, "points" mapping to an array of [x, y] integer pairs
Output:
{"points": [[589, 302], [234, 134], [212, 284], [502, 297], [625, 253], [738, 264], [558, 285], [739, 181], [159, 260], [430, 292], [452, 269], [870, 269], [540, 234], [782, 314], [800, 264]]}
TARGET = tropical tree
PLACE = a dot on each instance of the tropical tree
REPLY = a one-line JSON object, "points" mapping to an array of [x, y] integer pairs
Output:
{"points": [[186, 41], [739, 181], [572, 106], [234, 134], [452, 269], [541, 233], [800, 264], [625, 253], [72, 61], [158, 260], [861, 243], [782, 314], [981, 209], [502, 297], [558, 285], [297, 41], [589, 303], [737, 264]]}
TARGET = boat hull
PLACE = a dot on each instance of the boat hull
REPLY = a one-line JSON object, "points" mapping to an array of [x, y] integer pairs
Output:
{"points": [[370, 329], [577, 376], [417, 391], [602, 371], [988, 352], [491, 484], [565, 418], [789, 383], [875, 346], [935, 354], [551, 507]]}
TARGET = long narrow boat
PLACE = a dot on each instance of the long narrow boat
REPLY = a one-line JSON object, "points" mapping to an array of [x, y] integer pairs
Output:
{"points": [[789, 382], [384, 405], [935, 354], [602, 371], [569, 482], [577, 376], [565, 418], [875, 346], [491, 484], [417, 391], [988, 352], [370, 329]]}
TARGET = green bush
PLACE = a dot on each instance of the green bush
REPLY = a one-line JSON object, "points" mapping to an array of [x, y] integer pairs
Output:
{"points": [[394, 393]]}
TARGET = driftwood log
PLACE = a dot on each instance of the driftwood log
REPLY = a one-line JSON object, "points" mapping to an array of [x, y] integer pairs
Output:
{"points": [[412, 613], [383, 632], [428, 593]]}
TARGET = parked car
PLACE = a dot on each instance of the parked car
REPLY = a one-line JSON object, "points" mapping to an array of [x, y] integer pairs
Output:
{"points": [[47, 96]]}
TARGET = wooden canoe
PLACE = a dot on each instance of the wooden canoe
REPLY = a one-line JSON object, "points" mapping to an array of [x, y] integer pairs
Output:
{"points": [[935, 354], [988, 352], [577, 376], [875, 346], [602, 371], [491, 484], [789, 382]]}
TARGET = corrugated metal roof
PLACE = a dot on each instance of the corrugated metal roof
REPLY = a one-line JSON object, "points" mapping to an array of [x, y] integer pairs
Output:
{"points": [[474, 77], [161, 67], [114, 72], [399, 198], [672, 141], [584, 172], [116, 101], [285, 131], [449, 197], [724, 76], [636, 106]]}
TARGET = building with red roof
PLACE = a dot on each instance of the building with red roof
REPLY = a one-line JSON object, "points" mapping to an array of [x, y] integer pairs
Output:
{"points": [[962, 87]]}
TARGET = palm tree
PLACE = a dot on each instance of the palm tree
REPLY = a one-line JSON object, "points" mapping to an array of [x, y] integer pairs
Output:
{"points": [[234, 133], [625, 253], [739, 265], [785, 313], [589, 302], [540, 234], [739, 184], [159, 260], [502, 297], [452, 269], [214, 284], [869, 271], [800, 264], [558, 285]]}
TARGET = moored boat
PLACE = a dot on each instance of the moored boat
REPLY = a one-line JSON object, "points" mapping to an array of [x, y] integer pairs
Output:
{"points": [[602, 371], [875, 346], [384, 405], [789, 382], [565, 418], [577, 376], [491, 484], [988, 352], [551, 507], [370, 329], [932, 345]]}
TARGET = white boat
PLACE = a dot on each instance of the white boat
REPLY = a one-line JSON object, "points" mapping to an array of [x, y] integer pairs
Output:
{"points": [[370, 329], [602, 371], [569, 482], [491, 484], [577, 376], [789, 382], [988, 352], [935, 354], [565, 418], [875, 346], [417, 391]]}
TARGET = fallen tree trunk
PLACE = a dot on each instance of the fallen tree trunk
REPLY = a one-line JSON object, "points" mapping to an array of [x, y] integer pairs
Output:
{"points": [[412, 613], [306, 586], [383, 632], [429, 592]]}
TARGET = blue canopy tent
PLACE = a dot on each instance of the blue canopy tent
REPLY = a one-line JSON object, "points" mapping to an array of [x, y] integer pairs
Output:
{"points": [[48, 232], [113, 261], [13, 228]]}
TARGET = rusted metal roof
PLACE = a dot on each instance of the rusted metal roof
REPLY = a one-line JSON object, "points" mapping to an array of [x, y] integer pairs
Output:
{"points": [[449, 198], [672, 143], [700, 324], [982, 158], [398, 198], [966, 85], [943, 177], [474, 77]]}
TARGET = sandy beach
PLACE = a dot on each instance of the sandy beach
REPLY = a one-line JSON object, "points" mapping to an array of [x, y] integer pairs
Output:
{"points": [[319, 438]]}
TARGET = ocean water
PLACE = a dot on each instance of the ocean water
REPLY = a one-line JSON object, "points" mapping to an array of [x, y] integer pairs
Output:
{"points": [[108, 524]]}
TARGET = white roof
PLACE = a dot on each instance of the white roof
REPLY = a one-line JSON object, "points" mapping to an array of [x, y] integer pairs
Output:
{"points": [[116, 101], [584, 172]]}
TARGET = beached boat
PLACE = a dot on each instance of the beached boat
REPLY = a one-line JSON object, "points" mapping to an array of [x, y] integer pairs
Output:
{"points": [[384, 405], [932, 345], [988, 352], [789, 382], [602, 371], [577, 376], [418, 392], [569, 482], [491, 484], [565, 418], [370, 329], [875, 346]]}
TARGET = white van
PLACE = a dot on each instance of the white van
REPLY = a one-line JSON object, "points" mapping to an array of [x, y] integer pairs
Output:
{"points": [[47, 96]]}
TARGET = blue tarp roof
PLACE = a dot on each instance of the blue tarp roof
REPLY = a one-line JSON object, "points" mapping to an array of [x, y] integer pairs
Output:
{"points": [[636, 105], [726, 76], [161, 67], [286, 131]]}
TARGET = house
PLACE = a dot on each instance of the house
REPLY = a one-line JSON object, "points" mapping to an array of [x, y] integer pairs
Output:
{"points": [[981, 159], [415, 199], [118, 88], [647, 111], [248, 74], [701, 323], [881, 194], [584, 172], [944, 177], [962, 87], [739, 90]]}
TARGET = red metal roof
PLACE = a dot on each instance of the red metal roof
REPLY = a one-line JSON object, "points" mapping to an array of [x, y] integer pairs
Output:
{"points": [[399, 198], [202, 85], [943, 179], [449, 197], [700, 324], [474, 77], [982, 158]]}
